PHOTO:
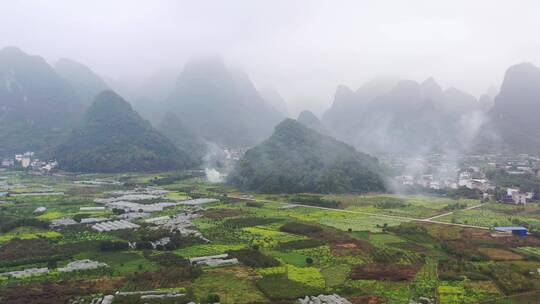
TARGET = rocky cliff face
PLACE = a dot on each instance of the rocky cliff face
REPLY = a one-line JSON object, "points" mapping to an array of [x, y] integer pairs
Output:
{"points": [[515, 116], [37, 105], [221, 105]]}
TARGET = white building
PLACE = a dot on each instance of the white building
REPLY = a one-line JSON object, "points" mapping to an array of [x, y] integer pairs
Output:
{"points": [[40, 210]]}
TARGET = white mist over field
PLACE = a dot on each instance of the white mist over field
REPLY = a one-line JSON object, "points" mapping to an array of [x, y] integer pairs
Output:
{"points": [[214, 176]]}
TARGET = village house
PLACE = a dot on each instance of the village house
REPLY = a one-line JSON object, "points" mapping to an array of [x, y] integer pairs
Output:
{"points": [[515, 196], [40, 210], [509, 231]]}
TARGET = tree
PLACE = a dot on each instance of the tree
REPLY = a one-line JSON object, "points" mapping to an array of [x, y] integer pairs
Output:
{"points": [[52, 264], [212, 298]]}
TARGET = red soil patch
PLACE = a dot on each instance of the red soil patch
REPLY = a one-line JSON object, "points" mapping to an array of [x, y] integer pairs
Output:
{"points": [[500, 254], [475, 234], [354, 244], [349, 247], [221, 213], [384, 272], [367, 300]]}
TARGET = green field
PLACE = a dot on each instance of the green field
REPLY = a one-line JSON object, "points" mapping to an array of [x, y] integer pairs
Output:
{"points": [[300, 251]]}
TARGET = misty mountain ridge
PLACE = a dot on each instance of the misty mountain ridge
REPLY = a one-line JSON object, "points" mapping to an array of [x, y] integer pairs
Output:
{"points": [[82, 79], [515, 115], [149, 96], [37, 105], [297, 159], [221, 105], [210, 102], [272, 97], [402, 116], [308, 119], [112, 137]]}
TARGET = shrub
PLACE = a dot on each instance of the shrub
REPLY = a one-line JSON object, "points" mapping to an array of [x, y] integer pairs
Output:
{"points": [[7, 224], [113, 246], [254, 258], [254, 204], [279, 287], [118, 211], [300, 244], [178, 241], [300, 228], [243, 222], [454, 206], [390, 204], [143, 245], [317, 201], [168, 259], [212, 298]]}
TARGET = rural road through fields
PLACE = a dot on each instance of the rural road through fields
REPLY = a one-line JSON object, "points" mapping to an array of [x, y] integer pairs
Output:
{"points": [[451, 212], [427, 220]]}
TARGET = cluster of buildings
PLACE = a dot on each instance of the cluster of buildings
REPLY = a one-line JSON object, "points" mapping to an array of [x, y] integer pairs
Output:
{"points": [[323, 299], [471, 178], [29, 162], [137, 200], [181, 223], [439, 172], [147, 295], [474, 179], [30, 272], [72, 266], [516, 196], [516, 164], [214, 260], [141, 203], [114, 225], [504, 231], [82, 265]]}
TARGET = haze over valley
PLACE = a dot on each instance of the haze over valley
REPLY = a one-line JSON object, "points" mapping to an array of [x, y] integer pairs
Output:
{"points": [[249, 152]]}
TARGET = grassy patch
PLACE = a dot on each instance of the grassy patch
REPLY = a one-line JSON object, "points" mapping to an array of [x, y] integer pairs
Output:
{"points": [[122, 262], [279, 287], [26, 233], [292, 258], [230, 288], [335, 275], [532, 251]]}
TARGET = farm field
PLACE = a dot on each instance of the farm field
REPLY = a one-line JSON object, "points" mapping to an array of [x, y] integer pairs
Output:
{"points": [[496, 214], [366, 248]]}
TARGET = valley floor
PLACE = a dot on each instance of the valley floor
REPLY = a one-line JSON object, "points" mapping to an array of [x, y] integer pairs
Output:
{"points": [[374, 248]]}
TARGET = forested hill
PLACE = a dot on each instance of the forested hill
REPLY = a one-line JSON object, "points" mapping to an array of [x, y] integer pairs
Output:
{"points": [[114, 138], [298, 159]]}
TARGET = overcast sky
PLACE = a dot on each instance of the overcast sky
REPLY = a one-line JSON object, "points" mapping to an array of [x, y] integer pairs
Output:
{"points": [[303, 48]]}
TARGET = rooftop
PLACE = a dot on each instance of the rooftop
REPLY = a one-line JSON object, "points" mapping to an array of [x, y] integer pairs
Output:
{"points": [[509, 228]]}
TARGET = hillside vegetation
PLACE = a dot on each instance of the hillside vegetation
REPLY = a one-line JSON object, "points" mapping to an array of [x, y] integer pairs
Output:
{"points": [[298, 159]]}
